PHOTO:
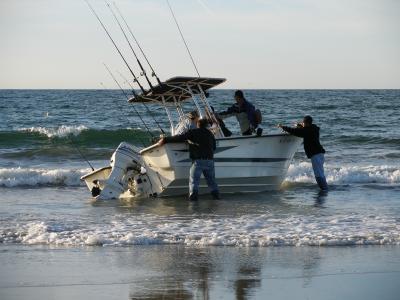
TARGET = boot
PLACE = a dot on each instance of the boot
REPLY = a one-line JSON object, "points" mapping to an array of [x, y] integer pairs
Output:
{"points": [[322, 183], [259, 131], [194, 196], [215, 195]]}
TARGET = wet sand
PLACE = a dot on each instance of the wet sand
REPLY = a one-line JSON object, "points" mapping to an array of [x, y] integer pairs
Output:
{"points": [[179, 272]]}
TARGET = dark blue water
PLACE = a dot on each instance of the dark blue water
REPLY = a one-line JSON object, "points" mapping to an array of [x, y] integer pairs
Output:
{"points": [[40, 169]]}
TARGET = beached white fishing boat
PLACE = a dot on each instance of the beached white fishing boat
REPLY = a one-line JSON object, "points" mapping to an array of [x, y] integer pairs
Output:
{"points": [[242, 163]]}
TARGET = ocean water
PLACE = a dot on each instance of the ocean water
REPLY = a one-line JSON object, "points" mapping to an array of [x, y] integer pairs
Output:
{"points": [[43, 201]]}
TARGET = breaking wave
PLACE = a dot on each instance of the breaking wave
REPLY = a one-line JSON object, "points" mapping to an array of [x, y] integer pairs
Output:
{"points": [[297, 173], [302, 172], [246, 231], [32, 177], [60, 132], [40, 137]]}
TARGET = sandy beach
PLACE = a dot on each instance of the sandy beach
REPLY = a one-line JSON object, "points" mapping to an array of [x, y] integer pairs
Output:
{"points": [[177, 272]]}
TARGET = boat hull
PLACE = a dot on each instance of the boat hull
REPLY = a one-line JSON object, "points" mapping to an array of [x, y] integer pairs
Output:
{"points": [[242, 164]]}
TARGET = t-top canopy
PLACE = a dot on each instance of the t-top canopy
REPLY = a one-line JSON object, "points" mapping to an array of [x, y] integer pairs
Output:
{"points": [[178, 87]]}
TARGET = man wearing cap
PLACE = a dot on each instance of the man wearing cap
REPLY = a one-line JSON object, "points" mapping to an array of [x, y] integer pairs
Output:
{"points": [[248, 116], [201, 148], [188, 123], [310, 133]]}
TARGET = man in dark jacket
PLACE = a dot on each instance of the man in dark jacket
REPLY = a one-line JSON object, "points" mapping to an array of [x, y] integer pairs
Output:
{"points": [[248, 116], [201, 148], [310, 133]]}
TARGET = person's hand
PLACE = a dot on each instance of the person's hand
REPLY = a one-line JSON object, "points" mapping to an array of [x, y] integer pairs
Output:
{"points": [[161, 142]]}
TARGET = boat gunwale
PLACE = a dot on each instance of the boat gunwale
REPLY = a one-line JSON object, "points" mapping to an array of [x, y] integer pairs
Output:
{"points": [[225, 139], [95, 171]]}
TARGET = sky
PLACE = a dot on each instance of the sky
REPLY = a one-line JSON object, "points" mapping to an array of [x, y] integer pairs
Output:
{"points": [[268, 44]]}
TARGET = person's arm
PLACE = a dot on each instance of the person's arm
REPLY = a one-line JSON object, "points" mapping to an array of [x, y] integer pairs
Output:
{"points": [[176, 138], [299, 132], [229, 112]]}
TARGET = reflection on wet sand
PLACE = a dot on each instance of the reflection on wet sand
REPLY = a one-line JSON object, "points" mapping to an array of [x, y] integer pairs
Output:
{"points": [[188, 273], [169, 293], [249, 279], [177, 272], [193, 272], [192, 281], [310, 265]]}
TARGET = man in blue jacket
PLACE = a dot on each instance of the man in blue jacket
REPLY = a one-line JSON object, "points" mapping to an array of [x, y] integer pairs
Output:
{"points": [[201, 149], [310, 133], [248, 116]]}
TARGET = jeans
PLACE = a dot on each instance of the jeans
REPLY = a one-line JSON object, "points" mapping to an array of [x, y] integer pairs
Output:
{"points": [[317, 162], [198, 167]]}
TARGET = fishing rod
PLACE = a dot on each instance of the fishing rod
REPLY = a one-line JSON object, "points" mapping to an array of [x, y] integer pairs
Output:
{"points": [[137, 43], [183, 38], [127, 97], [114, 97], [130, 45], [116, 47], [144, 104], [79, 151], [207, 110]]}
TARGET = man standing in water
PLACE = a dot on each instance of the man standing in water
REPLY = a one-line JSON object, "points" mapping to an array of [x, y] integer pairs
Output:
{"points": [[248, 116], [201, 148], [310, 133]]}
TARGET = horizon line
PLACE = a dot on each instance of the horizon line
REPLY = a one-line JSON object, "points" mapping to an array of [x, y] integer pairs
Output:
{"points": [[220, 89]]}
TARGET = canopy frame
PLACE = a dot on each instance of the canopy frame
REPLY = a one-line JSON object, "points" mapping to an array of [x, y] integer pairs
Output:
{"points": [[178, 89]]}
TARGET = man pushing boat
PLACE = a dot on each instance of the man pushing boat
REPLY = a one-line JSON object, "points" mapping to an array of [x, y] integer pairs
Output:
{"points": [[310, 133], [201, 148]]}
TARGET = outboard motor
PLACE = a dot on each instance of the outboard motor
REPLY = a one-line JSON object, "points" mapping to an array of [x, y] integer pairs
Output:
{"points": [[123, 158]]}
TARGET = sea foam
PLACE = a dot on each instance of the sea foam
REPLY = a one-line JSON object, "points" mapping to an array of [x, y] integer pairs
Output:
{"points": [[346, 174], [263, 230], [297, 173], [20, 177], [61, 131]]}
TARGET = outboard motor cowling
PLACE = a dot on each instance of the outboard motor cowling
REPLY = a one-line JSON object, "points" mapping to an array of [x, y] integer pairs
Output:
{"points": [[123, 158]]}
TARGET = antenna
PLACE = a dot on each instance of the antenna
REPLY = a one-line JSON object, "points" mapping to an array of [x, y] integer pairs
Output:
{"points": [[183, 38]]}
